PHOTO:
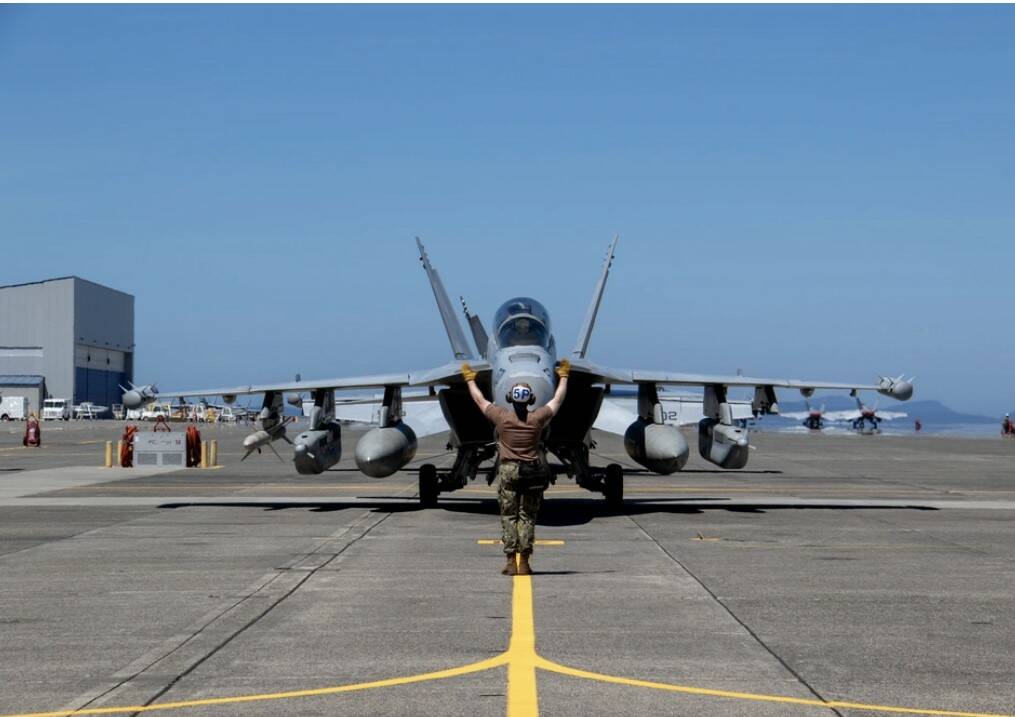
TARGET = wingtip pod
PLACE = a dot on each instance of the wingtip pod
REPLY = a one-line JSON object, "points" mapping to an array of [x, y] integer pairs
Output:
{"points": [[898, 388], [139, 396]]}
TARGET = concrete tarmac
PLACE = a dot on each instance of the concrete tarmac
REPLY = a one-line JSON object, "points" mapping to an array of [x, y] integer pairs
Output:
{"points": [[847, 575]]}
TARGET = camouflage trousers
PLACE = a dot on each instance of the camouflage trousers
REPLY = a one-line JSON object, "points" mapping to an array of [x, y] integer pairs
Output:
{"points": [[518, 511]]}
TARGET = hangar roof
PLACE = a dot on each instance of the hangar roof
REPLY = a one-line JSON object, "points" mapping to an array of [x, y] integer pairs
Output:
{"points": [[26, 380], [61, 278]]}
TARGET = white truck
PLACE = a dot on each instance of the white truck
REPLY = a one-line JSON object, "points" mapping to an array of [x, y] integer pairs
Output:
{"points": [[13, 408], [55, 409]]}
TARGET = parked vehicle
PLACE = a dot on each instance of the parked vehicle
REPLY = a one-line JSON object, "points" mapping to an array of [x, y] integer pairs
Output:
{"points": [[56, 409], [13, 408], [87, 409], [226, 415], [154, 411]]}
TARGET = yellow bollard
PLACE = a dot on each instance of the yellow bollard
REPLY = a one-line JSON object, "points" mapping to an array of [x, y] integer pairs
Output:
{"points": [[214, 457], [119, 451], [109, 454], [204, 455]]}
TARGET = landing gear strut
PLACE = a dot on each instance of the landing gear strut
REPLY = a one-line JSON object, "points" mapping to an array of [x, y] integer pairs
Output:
{"points": [[609, 481]]}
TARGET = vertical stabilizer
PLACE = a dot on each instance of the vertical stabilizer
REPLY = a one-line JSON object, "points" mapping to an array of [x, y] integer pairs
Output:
{"points": [[459, 345], [582, 346], [478, 332]]}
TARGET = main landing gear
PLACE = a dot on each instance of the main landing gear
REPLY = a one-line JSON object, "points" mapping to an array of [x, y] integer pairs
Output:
{"points": [[609, 481], [429, 486], [613, 486], [432, 484]]}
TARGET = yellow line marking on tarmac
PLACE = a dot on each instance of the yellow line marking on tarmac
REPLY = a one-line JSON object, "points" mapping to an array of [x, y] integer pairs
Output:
{"points": [[486, 541], [480, 666], [522, 662], [522, 699], [549, 666]]}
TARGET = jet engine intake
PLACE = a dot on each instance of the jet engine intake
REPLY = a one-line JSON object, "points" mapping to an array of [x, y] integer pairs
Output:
{"points": [[659, 447], [315, 451], [384, 450], [724, 445]]}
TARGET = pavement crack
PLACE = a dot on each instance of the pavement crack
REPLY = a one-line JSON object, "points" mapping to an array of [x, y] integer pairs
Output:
{"points": [[257, 592], [211, 653], [757, 638]]}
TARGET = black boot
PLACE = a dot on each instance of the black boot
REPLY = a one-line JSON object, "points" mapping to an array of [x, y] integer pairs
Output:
{"points": [[512, 565], [523, 564]]}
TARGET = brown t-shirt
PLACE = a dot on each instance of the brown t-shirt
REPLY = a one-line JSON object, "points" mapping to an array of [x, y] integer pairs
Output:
{"points": [[519, 440]]}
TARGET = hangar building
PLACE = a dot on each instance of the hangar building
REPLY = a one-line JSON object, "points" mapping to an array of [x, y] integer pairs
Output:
{"points": [[66, 338]]}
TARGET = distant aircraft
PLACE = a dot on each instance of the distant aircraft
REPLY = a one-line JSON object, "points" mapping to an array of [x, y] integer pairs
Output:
{"points": [[866, 419], [813, 418], [520, 349]]}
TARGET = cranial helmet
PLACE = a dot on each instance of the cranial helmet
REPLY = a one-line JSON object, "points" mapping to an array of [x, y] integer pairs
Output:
{"points": [[521, 393]]}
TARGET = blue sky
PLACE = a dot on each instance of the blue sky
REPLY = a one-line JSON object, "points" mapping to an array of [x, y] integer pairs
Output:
{"points": [[816, 192]]}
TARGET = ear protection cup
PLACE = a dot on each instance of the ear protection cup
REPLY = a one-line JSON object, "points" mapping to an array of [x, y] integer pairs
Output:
{"points": [[518, 392]]}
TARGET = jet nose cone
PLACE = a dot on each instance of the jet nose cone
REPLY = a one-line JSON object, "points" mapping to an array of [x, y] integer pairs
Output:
{"points": [[132, 399]]}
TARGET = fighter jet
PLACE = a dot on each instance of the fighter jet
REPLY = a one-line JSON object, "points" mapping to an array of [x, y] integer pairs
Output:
{"points": [[866, 419], [813, 418], [521, 348]]}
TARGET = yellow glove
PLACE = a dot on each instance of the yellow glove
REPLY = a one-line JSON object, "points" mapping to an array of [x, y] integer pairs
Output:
{"points": [[564, 368], [467, 373]]}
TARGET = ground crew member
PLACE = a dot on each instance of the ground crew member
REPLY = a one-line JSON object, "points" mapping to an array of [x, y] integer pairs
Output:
{"points": [[33, 432], [522, 472], [1006, 427]]}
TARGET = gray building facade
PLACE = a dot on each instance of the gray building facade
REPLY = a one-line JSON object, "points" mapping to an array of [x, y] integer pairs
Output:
{"points": [[77, 334]]}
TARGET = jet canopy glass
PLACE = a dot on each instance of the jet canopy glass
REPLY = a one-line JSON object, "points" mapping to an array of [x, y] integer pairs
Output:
{"points": [[522, 322]]}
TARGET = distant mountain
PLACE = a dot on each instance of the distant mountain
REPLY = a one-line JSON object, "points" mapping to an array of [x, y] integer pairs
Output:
{"points": [[926, 411]]}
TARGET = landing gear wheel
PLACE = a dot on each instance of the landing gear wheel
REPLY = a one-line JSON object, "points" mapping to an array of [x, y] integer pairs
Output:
{"points": [[428, 488], [613, 486]]}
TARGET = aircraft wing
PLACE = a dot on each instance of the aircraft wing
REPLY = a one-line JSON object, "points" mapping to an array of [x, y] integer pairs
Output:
{"points": [[337, 383], [897, 388], [799, 415], [441, 375], [617, 414], [422, 414]]}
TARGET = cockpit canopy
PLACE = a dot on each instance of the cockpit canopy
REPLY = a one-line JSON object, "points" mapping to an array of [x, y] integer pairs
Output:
{"points": [[522, 322]]}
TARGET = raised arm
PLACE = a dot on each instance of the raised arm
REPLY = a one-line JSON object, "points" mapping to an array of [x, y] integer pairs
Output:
{"points": [[470, 380], [563, 371]]}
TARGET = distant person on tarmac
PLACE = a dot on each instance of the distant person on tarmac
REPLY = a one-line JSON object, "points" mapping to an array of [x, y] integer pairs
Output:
{"points": [[918, 425], [1006, 426], [522, 473], [33, 432]]}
